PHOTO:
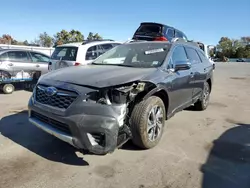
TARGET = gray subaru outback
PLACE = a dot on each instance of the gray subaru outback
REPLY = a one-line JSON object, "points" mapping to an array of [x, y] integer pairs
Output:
{"points": [[127, 93]]}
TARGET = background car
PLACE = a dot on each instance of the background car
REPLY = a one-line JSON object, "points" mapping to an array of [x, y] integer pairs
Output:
{"points": [[81, 53], [241, 60], [151, 31], [14, 63]]}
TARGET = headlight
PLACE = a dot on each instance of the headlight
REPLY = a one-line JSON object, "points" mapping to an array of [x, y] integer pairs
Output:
{"points": [[97, 97]]}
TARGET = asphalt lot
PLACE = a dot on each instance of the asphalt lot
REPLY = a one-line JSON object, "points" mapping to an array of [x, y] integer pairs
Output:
{"points": [[209, 149]]}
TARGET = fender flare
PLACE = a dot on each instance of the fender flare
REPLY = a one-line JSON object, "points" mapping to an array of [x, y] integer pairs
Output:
{"points": [[155, 90]]}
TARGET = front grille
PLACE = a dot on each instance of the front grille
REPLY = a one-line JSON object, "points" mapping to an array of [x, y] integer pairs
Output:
{"points": [[61, 99], [53, 123]]}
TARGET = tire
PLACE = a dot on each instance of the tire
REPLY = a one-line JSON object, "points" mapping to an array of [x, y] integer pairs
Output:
{"points": [[8, 88], [203, 103], [141, 113]]}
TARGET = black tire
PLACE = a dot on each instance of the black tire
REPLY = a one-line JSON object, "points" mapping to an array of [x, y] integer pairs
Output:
{"points": [[203, 102], [139, 122], [8, 89]]}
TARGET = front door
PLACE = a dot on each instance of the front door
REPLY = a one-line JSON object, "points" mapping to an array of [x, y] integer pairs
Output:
{"points": [[181, 90]]}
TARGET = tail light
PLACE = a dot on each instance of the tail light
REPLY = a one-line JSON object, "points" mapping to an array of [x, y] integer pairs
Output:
{"points": [[77, 64], [161, 39]]}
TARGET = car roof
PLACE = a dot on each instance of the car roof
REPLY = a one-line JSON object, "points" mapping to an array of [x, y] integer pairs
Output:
{"points": [[89, 43], [190, 44], [15, 49]]}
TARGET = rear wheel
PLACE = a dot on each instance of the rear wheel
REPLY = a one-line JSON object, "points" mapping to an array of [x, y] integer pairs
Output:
{"points": [[147, 122], [203, 102], [8, 88]]}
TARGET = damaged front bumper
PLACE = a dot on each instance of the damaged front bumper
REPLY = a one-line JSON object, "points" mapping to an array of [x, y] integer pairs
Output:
{"points": [[88, 126]]}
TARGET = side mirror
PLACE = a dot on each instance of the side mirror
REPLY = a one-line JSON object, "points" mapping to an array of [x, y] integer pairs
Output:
{"points": [[182, 65]]}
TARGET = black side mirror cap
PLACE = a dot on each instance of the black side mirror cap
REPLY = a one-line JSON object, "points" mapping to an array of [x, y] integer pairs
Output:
{"points": [[182, 65]]}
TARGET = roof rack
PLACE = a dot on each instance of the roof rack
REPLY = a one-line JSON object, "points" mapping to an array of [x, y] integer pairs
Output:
{"points": [[95, 40]]}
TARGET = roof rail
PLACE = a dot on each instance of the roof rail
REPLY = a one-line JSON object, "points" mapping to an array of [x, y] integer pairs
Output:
{"points": [[95, 40]]}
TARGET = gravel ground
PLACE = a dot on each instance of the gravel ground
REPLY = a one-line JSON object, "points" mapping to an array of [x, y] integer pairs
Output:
{"points": [[209, 149]]}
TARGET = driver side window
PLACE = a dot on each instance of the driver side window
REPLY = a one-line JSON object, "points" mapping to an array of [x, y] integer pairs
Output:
{"points": [[179, 54]]}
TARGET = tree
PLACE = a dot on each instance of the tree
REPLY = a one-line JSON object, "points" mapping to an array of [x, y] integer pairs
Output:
{"points": [[228, 47], [26, 43], [45, 40], [6, 39], [245, 40], [64, 37], [97, 37], [93, 36], [76, 36], [90, 36]]}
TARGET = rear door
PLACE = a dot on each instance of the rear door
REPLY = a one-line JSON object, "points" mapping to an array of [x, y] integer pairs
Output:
{"points": [[148, 31], [197, 81], [40, 62], [20, 62]]}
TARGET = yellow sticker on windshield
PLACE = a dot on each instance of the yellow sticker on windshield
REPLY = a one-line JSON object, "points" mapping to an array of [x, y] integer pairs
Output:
{"points": [[154, 51]]}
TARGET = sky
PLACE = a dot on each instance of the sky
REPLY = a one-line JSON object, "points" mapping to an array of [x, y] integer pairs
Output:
{"points": [[200, 20]]}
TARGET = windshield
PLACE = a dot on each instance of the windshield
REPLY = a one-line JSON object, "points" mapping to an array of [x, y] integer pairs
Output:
{"points": [[144, 55], [65, 53]]}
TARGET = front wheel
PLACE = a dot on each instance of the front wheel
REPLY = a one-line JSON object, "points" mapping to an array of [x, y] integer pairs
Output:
{"points": [[203, 102], [147, 122]]}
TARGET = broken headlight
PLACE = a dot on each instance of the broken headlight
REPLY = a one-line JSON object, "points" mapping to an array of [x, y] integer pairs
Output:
{"points": [[97, 97], [119, 95]]}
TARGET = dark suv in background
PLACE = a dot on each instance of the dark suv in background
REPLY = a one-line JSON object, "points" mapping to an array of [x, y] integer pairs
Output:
{"points": [[151, 31]]}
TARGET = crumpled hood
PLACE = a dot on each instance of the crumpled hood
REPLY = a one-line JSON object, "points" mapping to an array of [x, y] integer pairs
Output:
{"points": [[98, 75]]}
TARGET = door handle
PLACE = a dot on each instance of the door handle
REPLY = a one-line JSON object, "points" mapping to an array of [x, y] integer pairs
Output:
{"points": [[37, 65], [10, 64]]}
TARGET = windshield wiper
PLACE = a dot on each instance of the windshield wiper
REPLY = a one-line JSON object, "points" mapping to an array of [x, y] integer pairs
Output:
{"points": [[121, 65]]}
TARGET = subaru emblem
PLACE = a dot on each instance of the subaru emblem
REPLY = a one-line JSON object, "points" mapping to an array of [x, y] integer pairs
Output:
{"points": [[50, 91]]}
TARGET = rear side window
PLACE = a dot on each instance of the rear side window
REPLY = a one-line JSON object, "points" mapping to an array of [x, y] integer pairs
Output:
{"points": [[4, 57], [92, 53], [20, 56], [192, 55], [65, 53], [170, 34], [201, 55], [149, 28], [106, 47], [179, 34]]}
